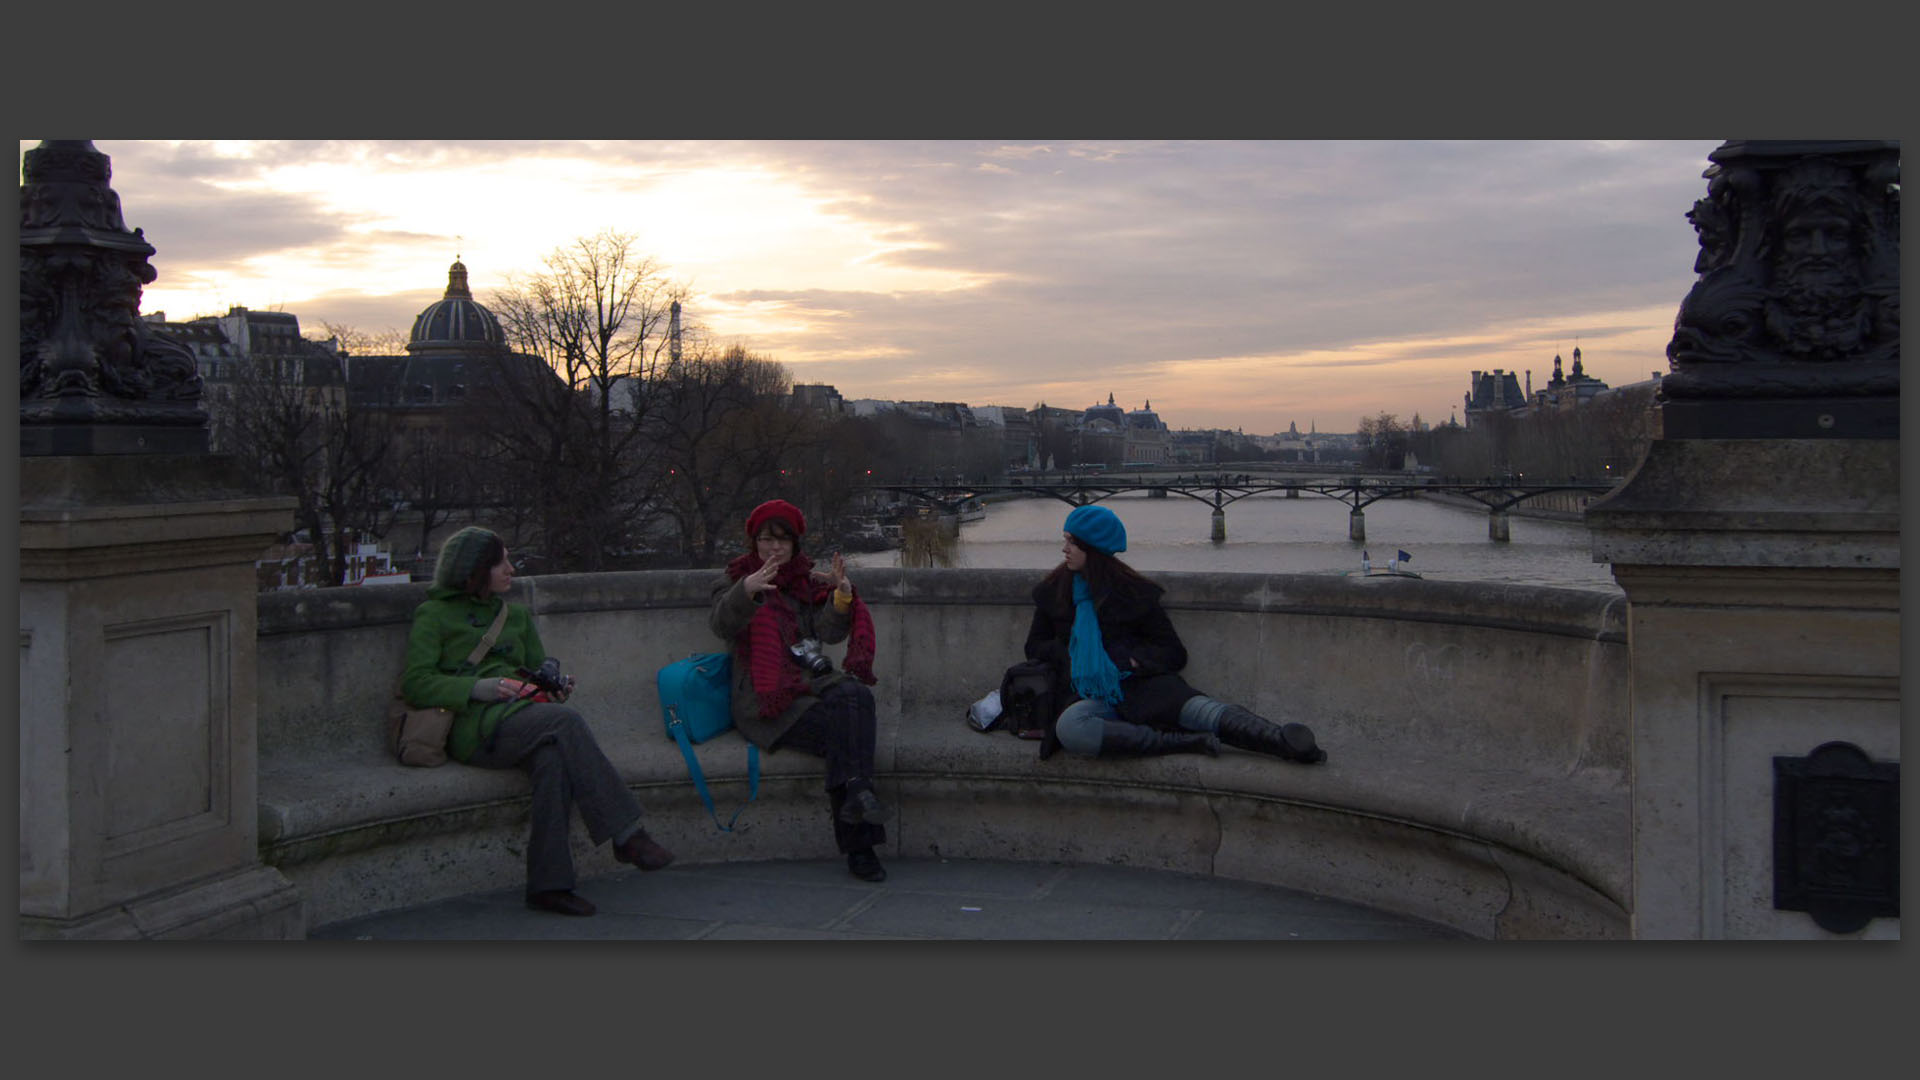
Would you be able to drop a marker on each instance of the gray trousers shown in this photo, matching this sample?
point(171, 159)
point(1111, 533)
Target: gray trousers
point(557, 749)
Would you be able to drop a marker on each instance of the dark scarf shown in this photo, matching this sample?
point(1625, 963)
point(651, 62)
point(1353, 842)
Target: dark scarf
point(777, 679)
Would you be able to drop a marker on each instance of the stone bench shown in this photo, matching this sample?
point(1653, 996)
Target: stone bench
point(1477, 737)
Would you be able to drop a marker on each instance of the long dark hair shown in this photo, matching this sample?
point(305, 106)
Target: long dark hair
point(1105, 574)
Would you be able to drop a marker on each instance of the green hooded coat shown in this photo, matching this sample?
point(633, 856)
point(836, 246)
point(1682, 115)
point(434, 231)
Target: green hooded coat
point(446, 627)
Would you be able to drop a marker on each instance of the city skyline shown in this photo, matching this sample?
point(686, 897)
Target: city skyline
point(1236, 285)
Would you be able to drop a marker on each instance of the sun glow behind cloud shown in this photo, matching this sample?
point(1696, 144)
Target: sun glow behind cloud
point(703, 225)
point(1233, 284)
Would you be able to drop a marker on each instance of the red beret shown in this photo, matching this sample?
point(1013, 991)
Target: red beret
point(777, 508)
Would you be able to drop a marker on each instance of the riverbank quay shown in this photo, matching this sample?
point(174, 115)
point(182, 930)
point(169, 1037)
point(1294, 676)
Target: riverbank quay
point(1477, 735)
point(1568, 506)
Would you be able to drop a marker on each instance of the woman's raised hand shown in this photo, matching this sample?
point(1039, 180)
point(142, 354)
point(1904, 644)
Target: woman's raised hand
point(838, 577)
point(761, 580)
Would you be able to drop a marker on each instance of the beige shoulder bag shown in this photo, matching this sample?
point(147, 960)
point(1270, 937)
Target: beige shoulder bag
point(419, 736)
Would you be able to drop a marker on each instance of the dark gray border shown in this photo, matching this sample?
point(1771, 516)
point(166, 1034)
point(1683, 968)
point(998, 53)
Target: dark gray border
point(1427, 72)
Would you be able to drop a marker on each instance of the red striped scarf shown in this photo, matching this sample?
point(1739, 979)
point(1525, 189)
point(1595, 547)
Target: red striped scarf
point(777, 679)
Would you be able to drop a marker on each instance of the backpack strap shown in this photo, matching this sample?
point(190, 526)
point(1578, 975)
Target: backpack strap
point(699, 778)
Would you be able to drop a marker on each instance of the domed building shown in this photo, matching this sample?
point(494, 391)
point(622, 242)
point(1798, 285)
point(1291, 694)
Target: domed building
point(1102, 436)
point(1108, 413)
point(1147, 437)
point(456, 347)
point(455, 322)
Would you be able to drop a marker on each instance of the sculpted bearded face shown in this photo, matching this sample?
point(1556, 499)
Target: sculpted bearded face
point(1819, 310)
point(1817, 253)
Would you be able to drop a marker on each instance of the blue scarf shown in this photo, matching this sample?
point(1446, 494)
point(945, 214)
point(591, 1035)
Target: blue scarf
point(1094, 674)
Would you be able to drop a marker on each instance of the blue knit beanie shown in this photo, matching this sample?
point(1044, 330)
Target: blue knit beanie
point(1098, 528)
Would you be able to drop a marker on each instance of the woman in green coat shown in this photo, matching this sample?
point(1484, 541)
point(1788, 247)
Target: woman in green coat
point(501, 721)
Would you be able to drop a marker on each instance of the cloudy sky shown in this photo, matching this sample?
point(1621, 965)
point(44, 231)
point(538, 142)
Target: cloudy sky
point(1232, 284)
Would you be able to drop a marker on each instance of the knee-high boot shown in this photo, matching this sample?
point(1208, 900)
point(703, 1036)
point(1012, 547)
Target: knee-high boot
point(1290, 742)
point(1121, 739)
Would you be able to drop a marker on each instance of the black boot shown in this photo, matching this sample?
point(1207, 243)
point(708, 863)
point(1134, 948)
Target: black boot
point(861, 806)
point(1121, 739)
point(865, 865)
point(1289, 742)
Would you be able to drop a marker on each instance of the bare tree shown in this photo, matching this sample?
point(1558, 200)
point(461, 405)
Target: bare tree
point(728, 440)
point(570, 431)
point(1384, 441)
point(433, 474)
point(289, 422)
point(355, 481)
point(1600, 439)
point(352, 341)
point(1056, 441)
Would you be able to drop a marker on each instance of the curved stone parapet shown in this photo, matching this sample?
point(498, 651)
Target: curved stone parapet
point(1477, 733)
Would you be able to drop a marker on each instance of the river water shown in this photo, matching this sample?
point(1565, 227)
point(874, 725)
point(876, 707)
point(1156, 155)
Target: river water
point(1306, 535)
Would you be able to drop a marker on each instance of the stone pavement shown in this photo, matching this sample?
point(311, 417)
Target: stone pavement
point(922, 899)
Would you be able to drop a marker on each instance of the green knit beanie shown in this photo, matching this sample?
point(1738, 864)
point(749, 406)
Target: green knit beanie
point(460, 556)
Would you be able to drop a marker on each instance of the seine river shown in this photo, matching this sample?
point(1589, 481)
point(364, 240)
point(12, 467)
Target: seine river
point(1306, 535)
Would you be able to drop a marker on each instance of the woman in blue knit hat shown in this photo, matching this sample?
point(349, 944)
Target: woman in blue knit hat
point(503, 722)
point(1117, 659)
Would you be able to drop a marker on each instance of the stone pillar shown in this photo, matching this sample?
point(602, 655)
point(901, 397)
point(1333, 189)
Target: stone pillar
point(1498, 525)
point(138, 806)
point(1759, 547)
point(1219, 526)
point(1356, 525)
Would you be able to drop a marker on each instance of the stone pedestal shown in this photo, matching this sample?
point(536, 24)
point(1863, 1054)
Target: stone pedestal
point(138, 807)
point(1763, 577)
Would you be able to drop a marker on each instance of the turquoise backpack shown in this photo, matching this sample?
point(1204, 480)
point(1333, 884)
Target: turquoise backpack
point(696, 705)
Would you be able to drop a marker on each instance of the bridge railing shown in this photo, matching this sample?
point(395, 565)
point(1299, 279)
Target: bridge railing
point(1498, 495)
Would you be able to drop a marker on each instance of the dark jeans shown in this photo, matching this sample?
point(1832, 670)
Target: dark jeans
point(557, 749)
point(841, 728)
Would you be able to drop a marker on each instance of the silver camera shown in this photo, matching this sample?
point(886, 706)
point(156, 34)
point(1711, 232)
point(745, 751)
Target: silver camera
point(806, 652)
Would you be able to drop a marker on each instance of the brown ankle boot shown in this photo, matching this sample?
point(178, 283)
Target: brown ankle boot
point(640, 850)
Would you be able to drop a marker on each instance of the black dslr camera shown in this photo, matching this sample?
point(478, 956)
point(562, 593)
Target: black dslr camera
point(548, 678)
point(806, 652)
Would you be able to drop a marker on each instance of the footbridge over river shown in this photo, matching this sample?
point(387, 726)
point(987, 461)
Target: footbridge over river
point(1219, 490)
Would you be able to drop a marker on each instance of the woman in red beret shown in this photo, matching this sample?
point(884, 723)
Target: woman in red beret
point(774, 610)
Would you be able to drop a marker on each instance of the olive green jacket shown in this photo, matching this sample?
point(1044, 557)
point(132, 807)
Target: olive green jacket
point(446, 627)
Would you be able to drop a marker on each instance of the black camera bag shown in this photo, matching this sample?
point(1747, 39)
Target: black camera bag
point(1027, 700)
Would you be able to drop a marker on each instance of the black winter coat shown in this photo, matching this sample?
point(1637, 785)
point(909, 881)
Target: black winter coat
point(1138, 636)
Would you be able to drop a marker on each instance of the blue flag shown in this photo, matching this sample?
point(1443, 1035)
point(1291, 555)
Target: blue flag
point(1404, 557)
